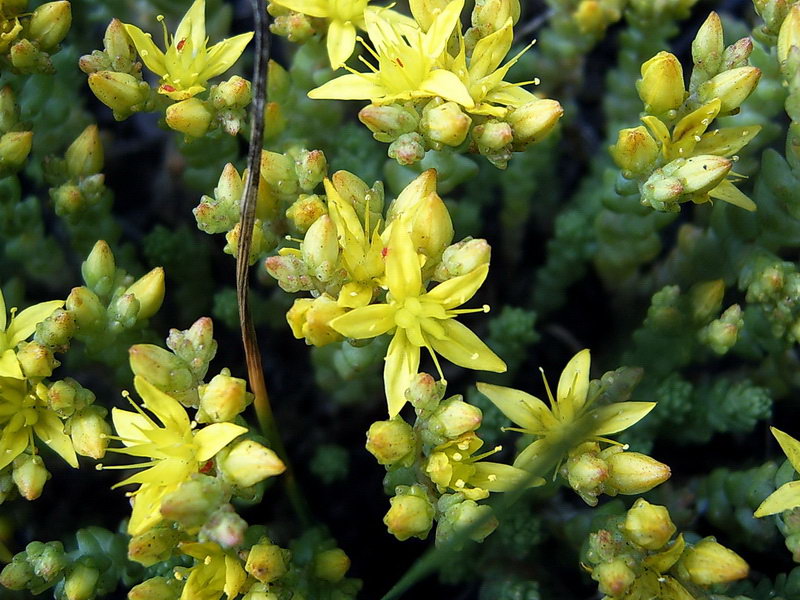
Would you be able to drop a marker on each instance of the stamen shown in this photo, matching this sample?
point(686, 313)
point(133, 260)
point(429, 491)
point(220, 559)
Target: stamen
point(549, 393)
point(160, 19)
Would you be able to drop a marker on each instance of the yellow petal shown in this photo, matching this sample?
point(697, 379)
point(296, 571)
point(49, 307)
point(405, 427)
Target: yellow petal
point(438, 34)
point(24, 324)
point(465, 349)
point(9, 365)
point(617, 417)
point(731, 194)
point(222, 55)
point(353, 86)
point(365, 322)
point(790, 447)
point(146, 510)
point(573, 385)
point(2, 312)
point(213, 438)
point(447, 85)
point(234, 576)
point(165, 407)
point(129, 426)
point(402, 364)
point(784, 498)
point(341, 42)
point(50, 430)
point(12, 444)
point(691, 127)
point(151, 54)
point(490, 51)
point(523, 409)
point(403, 275)
point(528, 457)
point(509, 94)
point(412, 195)
point(659, 131)
point(458, 290)
point(313, 8)
point(727, 141)
point(497, 477)
point(663, 561)
point(193, 26)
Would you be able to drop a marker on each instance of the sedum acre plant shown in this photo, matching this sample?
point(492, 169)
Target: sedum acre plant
point(406, 193)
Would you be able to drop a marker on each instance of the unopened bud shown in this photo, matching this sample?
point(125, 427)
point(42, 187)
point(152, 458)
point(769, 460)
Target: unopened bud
point(86, 308)
point(424, 392)
point(411, 513)
point(225, 527)
point(30, 475)
point(586, 472)
point(26, 57)
point(121, 92)
point(156, 588)
point(278, 170)
point(311, 319)
point(154, 545)
point(194, 501)
point(118, 46)
point(532, 122)
point(9, 110)
point(305, 211)
point(634, 473)
point(84, 156)
point(614, 578)
point(222, 399)
point(248, 463)
point(493, 135)
point(445, 124)
point(149, 291)
point(99, 268)
point(235, 92)
point(266, 562)
point(701, 174)
point(56, 330)
point(661, 87)
point(789, 35)
point(50, 23)
point(161, 368)
point(36, 360)
point(48, 560)
point(388, 122)
point(311, 168)
point(706, 299)
point(468, 515)
point(391, 442)
point(731, 87)
point(493, 14)
point(17, 574)
point(81, 582)
point(708, 46)
point(14, 149)
point(710, 563)
point(89, 431)
point(721, 334)
point(331, 565)
point(320, 248)
point(454, 417)
point(635, 151)
point(462, 258)
point(648, 525)
point(407, 149)
point(191, 117)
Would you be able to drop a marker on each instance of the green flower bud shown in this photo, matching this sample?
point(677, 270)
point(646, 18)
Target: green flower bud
point(194, 501)
point(305, 211)
point(14, 149)
point(731, 87)
point(311, 167)
point(721, 334)
point(290, 272)
point(454, 417)
point(195, 346)
point(708, 46)
point(149, 291)
point(710, 563)
point(50, 23)
point(789, 35)
point(331, 565)
point(320, 248)
point(222, 399)
point(30, 475)
point(26, 57)
point(411, 513)
point(85, 307)
point(156, 588)
point(61, 398)
point(389, 122)
point(661, 87)
point(310, 319)
point(391, 442)
point(36, 360)
point(462, 258)
point(48, 560)
point(614, 578)
point(118, 46)
point(635, 151)
point(56, 330)
point(266, 562)
point(278, 170)
point(425, 392)
point(248, 463)
point(235, 92)
point(493, 14)
point(191, 117)
point(225, 527)
point(17, 574)
point(478, 519)
point(81, 583)
point(9, 110)
point(163, 369)
point(89, 432)
point(648, 525)
point(634, 473)
point(360, 195)
point(259, 591)
point(84, 156)
point(99, 268)
point(493, 135)
point(407, 149)
point(586, 473)
point(121, 92)
point(154, 545)
point(532, 122)
point(445, 123)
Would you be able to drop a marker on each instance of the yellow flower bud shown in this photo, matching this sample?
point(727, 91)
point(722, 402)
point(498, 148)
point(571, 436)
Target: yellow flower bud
point(493, 135)
point(635, 473)
point(389, 122)
point(248, 463)
point(99, 268)
point(85, 306)
point(661, 87)
point(29, 475)
point(266, 562)
point(14, 148)
point(703, 173)
point(36, 360)
point(149, 291)
point(648, 525)
point(222, 399)
point(391, 442)
point(708, 45)
point(118, 46)
point(84, 156)
point(789, 34)
point(614, 578)
point(304, 211)
point(709, 563)
point(121, 92)
point(586, 472)
point(731, 87)
point(410, 514)
point(331, 565)
point(89, 431)
point(635, 151)
point(462, 258)
point(156, 588)
point(80, 583)
point(163, 369)
point(50, 23)
point(154, 545)
point(190, 116)
point(310, 319)
point(531, 122)
point(320, 248)
point(278, 171)
point(493, 14)
point(235, 92)
point(431, 228)
point(445, 124)
point(454, 418)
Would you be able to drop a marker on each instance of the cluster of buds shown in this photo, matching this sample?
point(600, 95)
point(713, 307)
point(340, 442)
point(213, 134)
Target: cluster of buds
point(770, 287)
point(28, 39)
point(15, 141)
point(294, 26)
point(675, 157)
point(433, 471)
point(636, 556)
point(773, 13)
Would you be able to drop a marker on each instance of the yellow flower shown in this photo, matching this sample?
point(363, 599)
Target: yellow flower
point(419, 319)
point(176, 450)
point(788, 495)
point(23, 412)
point(408, 63)
point(217, 572)
point(570, 407)
point(20, 327)
point(188, 63)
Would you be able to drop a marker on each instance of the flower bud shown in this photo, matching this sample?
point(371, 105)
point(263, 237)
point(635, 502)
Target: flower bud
point(89, 431)
point(156, 588)
point(28, 58)
point(225, 527)
point(320, 248)
point(17, 574)
point(222, 399)
point(721, 334)
point(121, 92)
point(49, 24)
point(9, 110)
point(331, 565)
point(493, 14)
point(81, 582)
point(266, 562)
point(48, 560)
point(56, 330)
point(478, 519)
point(389, 122)
point(586, 474)
point(149, 291)
point(706, 299)
point(36, 360)
point(391, 442)
point(248, 463)
point(661, 87)
point(703, 173)
point(462, 258)
point(84, 156)
point(411, 513)
point(532, 122)
point(737, 54)
point(161, 367)
point(311, 168)
point(493, 135)
point(407, 149)
point(235, 92)
point(194, 501)
point(154, 545)
point(648, 525)
point(425, 392)
point(14, 149)
point(635, 151)
point(99, 268)
point(278, 170)
point(634, 473)
point(731, 87)
point(708, 46)
point(454, 417)
point(118, 46)
point(85, 307)
point(445, 124)
point(305, 211)
point(789, 34)
point(191, 117)
point(260, 591)
point(311, 319)
point(710, 563)
point(290, 272)
point(30, 475)
point(614, 578)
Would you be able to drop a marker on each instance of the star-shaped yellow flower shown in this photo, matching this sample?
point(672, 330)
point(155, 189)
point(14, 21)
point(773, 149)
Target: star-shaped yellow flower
point(20, 327)
point(787, 496)
point(419, 319)
point(217, 572)
point(177, 451)
point(408, 63)
point(570, 406)
point(188, 63)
